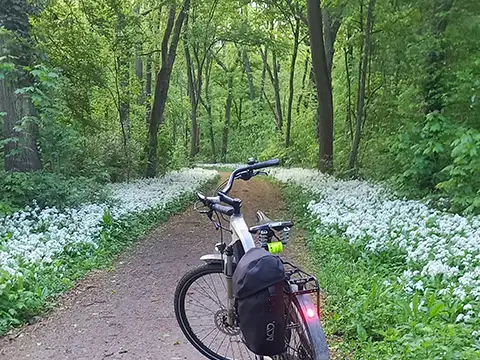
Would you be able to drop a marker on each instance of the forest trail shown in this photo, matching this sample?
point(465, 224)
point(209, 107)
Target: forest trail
point(127, 313)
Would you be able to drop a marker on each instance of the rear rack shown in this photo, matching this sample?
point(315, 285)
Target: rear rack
point(304, 282)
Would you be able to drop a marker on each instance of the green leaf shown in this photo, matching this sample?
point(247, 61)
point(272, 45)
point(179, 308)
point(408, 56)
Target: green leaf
point(436, 309)
point(361, 333)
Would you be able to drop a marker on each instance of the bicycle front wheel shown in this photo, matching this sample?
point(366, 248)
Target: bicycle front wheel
point(201, 311)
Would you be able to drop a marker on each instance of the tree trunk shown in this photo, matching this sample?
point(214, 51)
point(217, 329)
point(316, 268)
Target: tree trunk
point(361, 89)
point(208, 108)
point(296, 35)
point(248, 70)
point(123, 103)
point(20, 152)
point(324, 87)
point(193, 103)
point(162, 85)
point(330, 27)
point(304, 78)
point(276, 89)
point(238, 109)
point(433, 87)
point(122, 77)
point(349, 97)
point(264, 74)
point(19, 127)
point(148, 87)
point(139, 62)
point(228, 115)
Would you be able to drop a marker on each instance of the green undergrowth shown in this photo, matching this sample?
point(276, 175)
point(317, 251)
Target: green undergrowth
point(17, 190)
point(368, 309)
point(37, 290)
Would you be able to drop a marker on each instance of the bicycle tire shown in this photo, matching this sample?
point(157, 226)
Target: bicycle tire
point(180, 312)
point(313, 329)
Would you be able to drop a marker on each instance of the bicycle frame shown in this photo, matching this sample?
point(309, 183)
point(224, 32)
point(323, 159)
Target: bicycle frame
point(240, 235)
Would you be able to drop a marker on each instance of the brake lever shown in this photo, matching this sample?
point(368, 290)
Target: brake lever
point(202, 198)
point(199, 209)
point(246, 175)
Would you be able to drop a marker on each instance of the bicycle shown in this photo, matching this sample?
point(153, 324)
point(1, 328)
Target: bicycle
point(204, 302)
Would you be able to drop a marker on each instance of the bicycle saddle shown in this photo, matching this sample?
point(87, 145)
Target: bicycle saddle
point(264, 223)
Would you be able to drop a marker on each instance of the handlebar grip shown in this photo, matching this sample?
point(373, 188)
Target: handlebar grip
point(264, 164)
point(227, 210)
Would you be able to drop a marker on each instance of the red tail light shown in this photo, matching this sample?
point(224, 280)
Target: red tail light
point(311, 313)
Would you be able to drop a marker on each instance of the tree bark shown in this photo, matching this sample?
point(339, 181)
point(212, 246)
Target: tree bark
point(19, 128)
point(248, 70)
point(276, 87)
point(361, 89)
point(148, 87)
point(238, 109)
point(264, 74)
point(349, 97)
point(138, 59)
point(323, 87)
point(304, 78)
point(433, 87)
point(163, 82)
point(20, 149)
point(228, 115)
point(122, 77)
point(296, 35)
point(193, 102)
point(208, 108)
point(330, 27)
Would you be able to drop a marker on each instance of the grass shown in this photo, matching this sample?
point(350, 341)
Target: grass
point(367, 307)
point(37, 291)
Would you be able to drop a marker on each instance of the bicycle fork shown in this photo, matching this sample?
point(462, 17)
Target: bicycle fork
point(228, 276)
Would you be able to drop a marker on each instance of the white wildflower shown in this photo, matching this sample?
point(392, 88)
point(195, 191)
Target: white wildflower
point(438, 242)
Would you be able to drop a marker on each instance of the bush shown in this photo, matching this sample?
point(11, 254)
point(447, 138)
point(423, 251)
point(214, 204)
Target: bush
point(47, 189)
point(463, 184)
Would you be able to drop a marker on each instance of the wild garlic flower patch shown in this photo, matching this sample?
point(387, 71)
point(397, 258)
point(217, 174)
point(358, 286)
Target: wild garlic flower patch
point(437, 244)
point(35, 236)
point(220, 165)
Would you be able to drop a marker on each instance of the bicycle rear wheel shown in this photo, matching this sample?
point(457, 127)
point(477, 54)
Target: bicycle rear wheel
point(305, 338)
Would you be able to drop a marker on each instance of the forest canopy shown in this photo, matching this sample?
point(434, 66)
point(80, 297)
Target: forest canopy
point(110, 90)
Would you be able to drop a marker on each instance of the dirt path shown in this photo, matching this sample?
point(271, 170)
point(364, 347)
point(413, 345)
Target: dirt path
point(127, 313)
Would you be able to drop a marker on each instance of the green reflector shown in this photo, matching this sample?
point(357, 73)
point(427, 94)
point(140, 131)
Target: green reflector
point(275, 247)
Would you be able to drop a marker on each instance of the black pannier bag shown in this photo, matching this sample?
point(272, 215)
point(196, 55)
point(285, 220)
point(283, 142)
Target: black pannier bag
point(259, 288)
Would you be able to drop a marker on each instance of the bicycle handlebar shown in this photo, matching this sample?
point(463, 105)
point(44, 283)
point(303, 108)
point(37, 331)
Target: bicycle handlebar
point(224, 209)
point(248, 168)
point(233, 205)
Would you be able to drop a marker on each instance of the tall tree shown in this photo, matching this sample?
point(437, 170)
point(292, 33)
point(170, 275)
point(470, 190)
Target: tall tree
point(200, 38)
point(323, 85)
point(208, 107)
point(194, 88)
point(296, 40)
point(367, 45)
point(228, 105)
point(16, 48)
point(248, 70)
point(163, 83)
point(433, 86)
point(274, 78)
